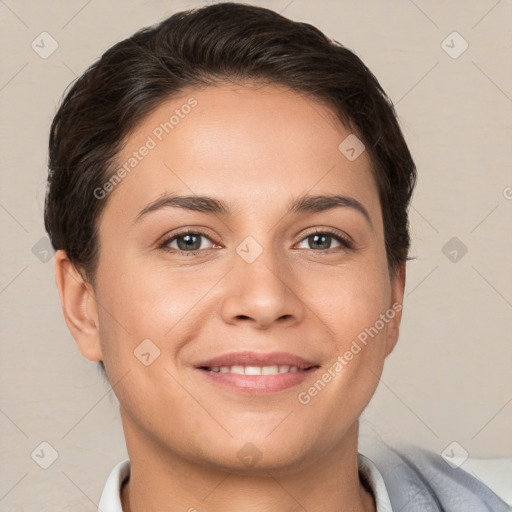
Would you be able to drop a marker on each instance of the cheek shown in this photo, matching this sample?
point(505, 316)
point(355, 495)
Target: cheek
point(168, 305)
point(353, 306)
point(348, 299)
point(139, 303)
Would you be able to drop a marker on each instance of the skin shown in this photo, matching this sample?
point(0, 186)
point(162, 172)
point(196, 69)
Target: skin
point(257, 148)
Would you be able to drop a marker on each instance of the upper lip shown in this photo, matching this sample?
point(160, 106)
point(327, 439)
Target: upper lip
point(256, 359)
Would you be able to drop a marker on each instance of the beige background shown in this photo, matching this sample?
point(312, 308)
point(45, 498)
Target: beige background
point(449, 378)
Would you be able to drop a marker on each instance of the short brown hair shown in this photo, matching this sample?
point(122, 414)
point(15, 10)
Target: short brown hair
point(226, 41)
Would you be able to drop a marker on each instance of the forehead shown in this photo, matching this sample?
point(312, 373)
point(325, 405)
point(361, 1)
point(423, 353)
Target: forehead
point(249, 144)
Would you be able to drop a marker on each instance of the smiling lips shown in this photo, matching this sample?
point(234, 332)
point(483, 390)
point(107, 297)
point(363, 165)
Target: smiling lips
point(257, 373)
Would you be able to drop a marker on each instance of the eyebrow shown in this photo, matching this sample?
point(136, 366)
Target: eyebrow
point(206, 204)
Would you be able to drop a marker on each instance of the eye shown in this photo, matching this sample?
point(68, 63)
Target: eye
point(189, 242)
point(322, 240)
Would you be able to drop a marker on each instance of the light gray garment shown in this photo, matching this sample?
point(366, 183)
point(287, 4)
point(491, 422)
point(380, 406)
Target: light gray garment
point(418, 480)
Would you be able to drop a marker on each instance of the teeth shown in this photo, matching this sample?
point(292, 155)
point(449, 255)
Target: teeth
point(255, 370)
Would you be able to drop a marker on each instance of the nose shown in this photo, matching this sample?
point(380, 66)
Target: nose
point(261, 294)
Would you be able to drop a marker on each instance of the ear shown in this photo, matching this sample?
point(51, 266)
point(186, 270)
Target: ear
point(397, 297)
point(79, 307)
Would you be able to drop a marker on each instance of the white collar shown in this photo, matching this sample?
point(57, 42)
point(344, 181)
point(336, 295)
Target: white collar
point(369, 472)
point(111, 497)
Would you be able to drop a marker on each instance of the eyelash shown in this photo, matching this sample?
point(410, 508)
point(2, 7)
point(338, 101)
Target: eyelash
point(344, 241)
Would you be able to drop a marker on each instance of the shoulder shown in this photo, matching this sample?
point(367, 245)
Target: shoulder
point(421, 480)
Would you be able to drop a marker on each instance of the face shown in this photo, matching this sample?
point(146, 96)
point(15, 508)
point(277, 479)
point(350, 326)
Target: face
point(251, 311)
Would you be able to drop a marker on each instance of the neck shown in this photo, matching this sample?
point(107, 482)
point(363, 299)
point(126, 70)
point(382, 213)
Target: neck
point(160, 480)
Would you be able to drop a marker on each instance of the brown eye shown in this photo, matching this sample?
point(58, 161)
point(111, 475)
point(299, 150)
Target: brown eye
point(319, 241)
point(323, 241)
point(189, 242)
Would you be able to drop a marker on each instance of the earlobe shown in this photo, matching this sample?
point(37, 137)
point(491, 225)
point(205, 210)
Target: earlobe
point(79, 307)
point(397, 295)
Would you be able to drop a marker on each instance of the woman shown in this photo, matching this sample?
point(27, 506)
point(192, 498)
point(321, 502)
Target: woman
point(228, 196)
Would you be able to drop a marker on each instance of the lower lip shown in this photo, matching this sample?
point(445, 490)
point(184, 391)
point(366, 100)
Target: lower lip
point(259, 384)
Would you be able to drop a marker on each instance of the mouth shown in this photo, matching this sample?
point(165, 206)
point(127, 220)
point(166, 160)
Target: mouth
point(257, 373)
point(255, 370)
